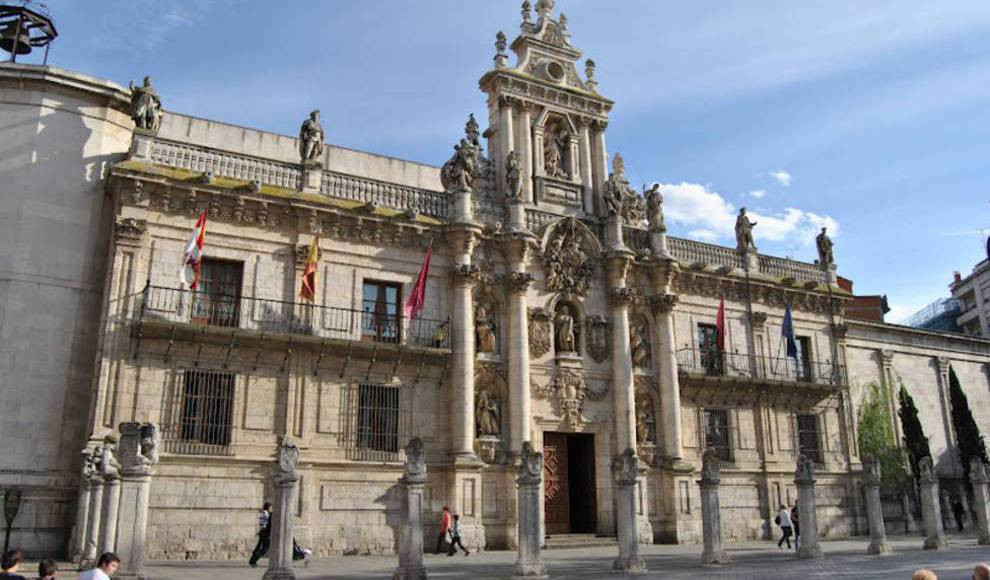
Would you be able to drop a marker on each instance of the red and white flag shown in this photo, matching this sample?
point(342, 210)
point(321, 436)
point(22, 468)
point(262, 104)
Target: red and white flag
point(414, 304)
point(189, 274)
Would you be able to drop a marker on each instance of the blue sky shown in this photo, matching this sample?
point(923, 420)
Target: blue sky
point(870, 117)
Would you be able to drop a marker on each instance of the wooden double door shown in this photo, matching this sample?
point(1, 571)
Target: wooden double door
point(569, 491)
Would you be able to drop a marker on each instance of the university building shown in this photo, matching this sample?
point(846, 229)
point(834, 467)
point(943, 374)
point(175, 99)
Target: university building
point(557, 311)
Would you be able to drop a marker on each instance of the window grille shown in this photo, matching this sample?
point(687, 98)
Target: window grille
point(717, 433)
point(201, 414)
point(375, 422)
point(711, 358)
point(809, 437)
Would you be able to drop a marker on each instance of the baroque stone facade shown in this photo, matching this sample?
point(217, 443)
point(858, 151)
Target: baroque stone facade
point(558, 317)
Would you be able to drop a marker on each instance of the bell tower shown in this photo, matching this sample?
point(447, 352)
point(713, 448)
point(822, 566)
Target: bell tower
point(548, 116)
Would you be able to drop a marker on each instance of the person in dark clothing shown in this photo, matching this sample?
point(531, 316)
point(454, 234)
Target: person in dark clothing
point(958, 512)
point(264, 534)
point(797, 528)
point(47, 569)
point(455, 538)
point(10, 562)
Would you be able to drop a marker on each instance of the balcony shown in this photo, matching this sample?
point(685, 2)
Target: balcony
point(219, 314)
point(732, 370)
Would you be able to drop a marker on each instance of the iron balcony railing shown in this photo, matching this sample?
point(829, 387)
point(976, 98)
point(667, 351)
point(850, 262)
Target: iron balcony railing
point(713, 363)
point(291, 318)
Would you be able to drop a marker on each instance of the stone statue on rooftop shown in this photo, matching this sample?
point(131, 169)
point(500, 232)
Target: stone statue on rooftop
point(311, 138)
point(146, 106)
point(744, 232)
point(825, 257)
point(654, 208)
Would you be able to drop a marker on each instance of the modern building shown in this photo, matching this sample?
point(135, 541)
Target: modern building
point(973, 295)
point(557, 311)
point(939, 315)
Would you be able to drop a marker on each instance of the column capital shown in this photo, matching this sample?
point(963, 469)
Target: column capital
point(464, 237)
point(841, 329)
point(943, 364)
point(599, 124)
point(662, 303)
point(518, 246)
point(519, 282)
point(757, 319)
point(129, 231)
point(465, 274)
point(623, 296)
point(886, 357)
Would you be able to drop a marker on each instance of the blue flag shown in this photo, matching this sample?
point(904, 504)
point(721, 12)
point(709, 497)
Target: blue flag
point(787, 331)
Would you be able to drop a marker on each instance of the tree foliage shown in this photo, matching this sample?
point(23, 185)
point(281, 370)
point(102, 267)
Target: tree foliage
point(876, 438)
point(914, 436)
point(968, 439)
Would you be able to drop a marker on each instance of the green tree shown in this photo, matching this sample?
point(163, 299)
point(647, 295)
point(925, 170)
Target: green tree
point(968, 439)
point(914, 436)
point(876, 437)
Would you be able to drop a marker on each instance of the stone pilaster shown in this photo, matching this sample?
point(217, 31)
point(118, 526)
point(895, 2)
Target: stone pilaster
point(931, 511)
point(804, 479)
point(138, 454)
point(587, 180)
point(529, 480)
point(285, 482)
point(526, 150)
point(887, 375)
point(942, 363)
point(412, 484)
point(981, 498)
point(711, 516)
point(505, 138)
point(874, 508)
point(599, 155)
point(91, 550)
point(627, 471)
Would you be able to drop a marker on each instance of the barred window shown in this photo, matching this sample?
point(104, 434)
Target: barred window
point(809, 437)
point(717, 433)
point(202, 414)
point(374, 422)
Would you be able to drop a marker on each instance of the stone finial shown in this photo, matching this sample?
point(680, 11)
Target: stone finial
point(871, 470)
point(544, 8)
point(589, 69)
point(977, 471)
point(287, 456)
point(526, 12)
point(926, 470)
point(500, 42)
point(711, 467)
point(415, 466)
point(562, 21)
point(618, 166)
point(805, 472)
point(626, 466)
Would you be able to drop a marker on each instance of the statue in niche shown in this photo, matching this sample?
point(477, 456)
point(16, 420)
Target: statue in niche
point(744, 232)
point(824, 243)
point(567, 264)
point(556, 142)
point(146, 106)
point(311, 138)
point(460, 171)
point(639, 345)
point(487, 414)
point(654, 208)
point(566, 339)
point(484, 328)
point(513, 176)
point(645, 420)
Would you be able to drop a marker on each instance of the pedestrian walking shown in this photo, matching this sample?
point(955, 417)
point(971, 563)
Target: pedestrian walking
point(455, 538)
point(783, 520)
point(11, 562)
point(797, 527)
point(264, 534)
point(47, 569)
point(444, 528)
point(958, 512)
point(106, 567)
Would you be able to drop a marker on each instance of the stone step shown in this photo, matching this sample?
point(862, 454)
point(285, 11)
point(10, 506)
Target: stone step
point(568, 541)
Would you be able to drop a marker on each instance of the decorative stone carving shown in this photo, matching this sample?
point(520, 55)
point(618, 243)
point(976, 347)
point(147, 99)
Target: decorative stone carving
point(565, 333)
point(654, 209)
point(824, 245)
point(146, 107)
point(519, 281)
point(311, 138)
point(529, 481)
point(596, 339)
point(711, 467)
point(619, 199)
point(569, 390)
point(556, 146)
point(626, 466)
point(623, 296)
point(566, 259)
point(639, 344)
point(129, 228)
point(500, 42)
point(465, 274)
point(462, 169)
point(415, 465)
point(485, 329)
point(645, 420)
point(744, 232)
point(513, 177)
point(540, 332)
point(662, 303)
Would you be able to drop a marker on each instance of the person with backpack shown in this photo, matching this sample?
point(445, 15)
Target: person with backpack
point(455, 538)
point(783, 520)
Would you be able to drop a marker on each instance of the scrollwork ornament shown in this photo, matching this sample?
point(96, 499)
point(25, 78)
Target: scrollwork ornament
point(129, 228)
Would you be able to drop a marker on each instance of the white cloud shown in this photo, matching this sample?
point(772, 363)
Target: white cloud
point(782, 177)
point(757, 193)
point(709, 217)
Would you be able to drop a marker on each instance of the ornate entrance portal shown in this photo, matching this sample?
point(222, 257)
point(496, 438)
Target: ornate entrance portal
point(570, 501)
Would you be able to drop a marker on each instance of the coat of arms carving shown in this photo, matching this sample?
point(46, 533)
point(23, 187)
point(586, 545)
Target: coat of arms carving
point(540, 332)
point(597, 338)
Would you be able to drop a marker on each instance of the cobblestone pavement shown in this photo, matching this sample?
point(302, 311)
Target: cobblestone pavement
point(843, 559)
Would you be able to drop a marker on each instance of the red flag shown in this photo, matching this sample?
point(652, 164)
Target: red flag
point(720, 325)
point(308, 289)
point(414, 304)
point(189, 274)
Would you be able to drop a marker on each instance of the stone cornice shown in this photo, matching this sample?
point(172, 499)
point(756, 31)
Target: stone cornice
point(524, 87)
point(690, 282)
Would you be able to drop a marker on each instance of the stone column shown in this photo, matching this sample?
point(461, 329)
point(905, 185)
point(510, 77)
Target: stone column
point(413, 481)
point(465, 276)
point(931, 511)
point(663, 304)
point(886, 363)
point(111, 499)
point(599, 155)
point(526, 150)
point(587, 179)
point(91, 550)
point(529, 480)
point(520, 411)
point(874, 508)
point(711, 516)
point(981, 498)
point(624, 396)
point(285, 481)
point(77, 544)
point(506, 139)
point(627, 470)
point(942, 364)
point(138, 453)
point(804, 478)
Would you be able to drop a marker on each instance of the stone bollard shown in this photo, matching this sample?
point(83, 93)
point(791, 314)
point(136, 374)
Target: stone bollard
point(410, 548)
point(804, 478)
point(285, 480)
point(138, 454)
point(711, 516)
point(627, 471)
point(981, 498)
point(931, 511)
point(94, 485)
point(110, 470)
point(874, 507)
point(529, 564)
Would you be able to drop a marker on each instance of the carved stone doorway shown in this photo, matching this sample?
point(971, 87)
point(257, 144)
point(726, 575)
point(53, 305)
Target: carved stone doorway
point(570, 495)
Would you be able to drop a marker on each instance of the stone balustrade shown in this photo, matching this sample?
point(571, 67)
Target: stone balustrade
point(192, 158)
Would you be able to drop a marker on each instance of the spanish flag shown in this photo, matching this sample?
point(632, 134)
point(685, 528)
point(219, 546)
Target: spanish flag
point(308, 289)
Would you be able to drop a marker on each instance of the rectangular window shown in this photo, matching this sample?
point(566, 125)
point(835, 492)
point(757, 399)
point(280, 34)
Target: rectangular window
point(204, 404)
point(710, 357)
point(717, 432)
point(802, 363)
point(217, 298)
point(378, 418)
point(809, 439)
point(380, 320)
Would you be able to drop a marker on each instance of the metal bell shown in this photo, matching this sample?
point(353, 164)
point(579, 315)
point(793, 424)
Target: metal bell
point(8, 35)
